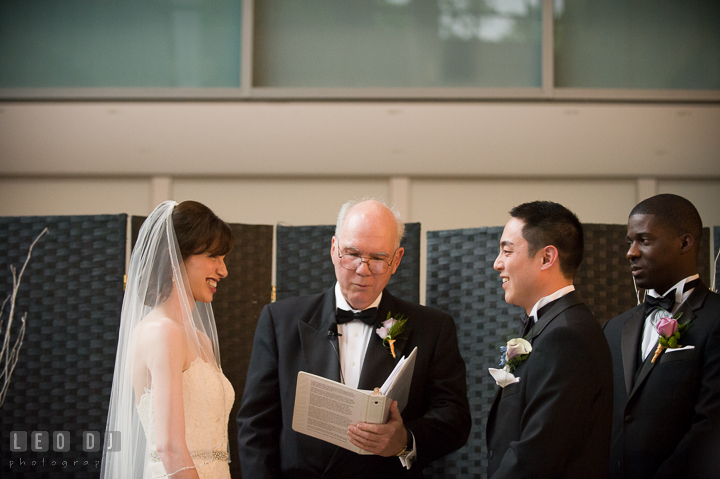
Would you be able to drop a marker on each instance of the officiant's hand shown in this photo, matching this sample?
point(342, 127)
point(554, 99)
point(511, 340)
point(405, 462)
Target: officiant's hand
point(381, 439)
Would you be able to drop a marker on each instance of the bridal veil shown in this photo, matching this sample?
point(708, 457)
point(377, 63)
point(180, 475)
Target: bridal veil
point(156, 277)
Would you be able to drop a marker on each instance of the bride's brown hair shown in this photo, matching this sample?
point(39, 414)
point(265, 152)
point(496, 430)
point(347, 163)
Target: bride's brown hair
point(199, 230)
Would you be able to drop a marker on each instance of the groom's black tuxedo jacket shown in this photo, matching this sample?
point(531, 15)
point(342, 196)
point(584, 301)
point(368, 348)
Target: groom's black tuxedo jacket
point(666, 418)
point(555, 422)
point(291, 336)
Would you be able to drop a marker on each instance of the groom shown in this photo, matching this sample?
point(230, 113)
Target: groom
point(666, 419)
point(333, 334)
point(554, 422)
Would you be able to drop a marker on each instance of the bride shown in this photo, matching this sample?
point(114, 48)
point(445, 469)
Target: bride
point(170, 400)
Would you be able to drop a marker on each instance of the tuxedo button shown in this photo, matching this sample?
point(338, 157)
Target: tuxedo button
point(628, 419)
point(490, 454)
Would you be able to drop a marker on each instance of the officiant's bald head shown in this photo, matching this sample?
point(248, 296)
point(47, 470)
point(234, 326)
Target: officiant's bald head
point(366, 250)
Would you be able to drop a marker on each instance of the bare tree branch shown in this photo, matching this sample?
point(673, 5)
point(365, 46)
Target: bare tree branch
point(9, 355)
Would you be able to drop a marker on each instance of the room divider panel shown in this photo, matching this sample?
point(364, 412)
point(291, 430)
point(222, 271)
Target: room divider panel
point(716, 249)
point(237, 306)
point(304, 265)
point(72, 293)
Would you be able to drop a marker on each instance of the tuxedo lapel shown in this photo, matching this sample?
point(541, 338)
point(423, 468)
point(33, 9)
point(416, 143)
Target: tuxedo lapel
point(645, 369)
point(379, 362)
point(558, 306)
point(492, 414)
point(629, 344)
point(694, 301)
point(320, 357)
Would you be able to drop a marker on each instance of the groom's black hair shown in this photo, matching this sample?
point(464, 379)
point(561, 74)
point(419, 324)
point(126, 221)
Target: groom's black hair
point(548, 223)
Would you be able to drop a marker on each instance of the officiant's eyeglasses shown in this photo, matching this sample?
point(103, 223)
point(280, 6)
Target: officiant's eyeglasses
point(352, 262)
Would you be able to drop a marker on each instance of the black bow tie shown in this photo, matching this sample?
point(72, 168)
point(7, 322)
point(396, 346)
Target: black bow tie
point(527, 324)
point(664, 302)
point(367, 316)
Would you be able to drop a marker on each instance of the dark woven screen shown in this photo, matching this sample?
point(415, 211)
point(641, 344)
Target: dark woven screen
point(716, 249)
point(603, 279)
point(304, 265)
point(704, 257)
point(237, 306)
point(72, 292)
point(462, 281)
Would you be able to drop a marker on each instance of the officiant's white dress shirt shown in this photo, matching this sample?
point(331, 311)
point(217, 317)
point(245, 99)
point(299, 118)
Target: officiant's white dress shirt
point(353, 343)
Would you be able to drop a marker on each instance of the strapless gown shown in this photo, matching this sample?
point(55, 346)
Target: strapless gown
point(208, 397)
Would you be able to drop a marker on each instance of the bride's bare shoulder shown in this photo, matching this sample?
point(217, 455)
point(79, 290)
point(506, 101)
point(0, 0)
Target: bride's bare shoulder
point(157, 328)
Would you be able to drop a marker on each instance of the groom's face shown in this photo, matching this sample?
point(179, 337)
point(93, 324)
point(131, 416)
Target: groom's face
point(518, 270)
point(371, 235)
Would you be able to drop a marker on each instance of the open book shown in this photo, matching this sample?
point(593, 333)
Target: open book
point(325, 408)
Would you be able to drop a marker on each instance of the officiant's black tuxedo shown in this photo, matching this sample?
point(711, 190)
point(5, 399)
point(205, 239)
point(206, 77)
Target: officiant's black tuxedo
point(555, 422)
point(292, 336)
point(666, 420)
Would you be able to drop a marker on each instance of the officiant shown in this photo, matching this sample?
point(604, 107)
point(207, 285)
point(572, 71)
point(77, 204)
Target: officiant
point(338, 334)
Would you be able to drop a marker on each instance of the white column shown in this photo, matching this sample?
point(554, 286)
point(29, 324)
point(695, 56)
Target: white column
point(160, 190)
point(399, 193)
point(399, 197)
point(646, 187)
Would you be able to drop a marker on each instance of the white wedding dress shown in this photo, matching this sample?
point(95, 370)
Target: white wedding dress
point(207, 393)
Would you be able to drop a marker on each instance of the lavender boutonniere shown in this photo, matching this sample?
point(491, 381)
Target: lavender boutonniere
point(391, 330)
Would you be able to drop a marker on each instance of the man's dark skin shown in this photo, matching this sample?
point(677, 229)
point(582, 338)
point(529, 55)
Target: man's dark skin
point(659, 258)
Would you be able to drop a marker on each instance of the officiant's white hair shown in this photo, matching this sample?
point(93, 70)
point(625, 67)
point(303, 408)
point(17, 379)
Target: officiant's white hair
point(399, 223)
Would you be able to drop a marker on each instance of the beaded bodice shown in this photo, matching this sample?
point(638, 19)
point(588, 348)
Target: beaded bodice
point(208, 397)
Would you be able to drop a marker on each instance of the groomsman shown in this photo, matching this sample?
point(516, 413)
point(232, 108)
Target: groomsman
point(666, 418)
point(554, 422)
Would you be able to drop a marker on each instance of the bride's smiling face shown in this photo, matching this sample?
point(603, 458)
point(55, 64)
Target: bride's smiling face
point(204, 271)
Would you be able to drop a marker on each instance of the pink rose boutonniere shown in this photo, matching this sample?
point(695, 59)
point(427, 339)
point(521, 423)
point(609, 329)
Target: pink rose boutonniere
point(669, 331)
point(391, 330)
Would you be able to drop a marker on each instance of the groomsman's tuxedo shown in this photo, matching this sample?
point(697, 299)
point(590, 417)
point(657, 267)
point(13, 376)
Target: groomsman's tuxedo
point(666, 420)
point(555, 422)
point(292, 336)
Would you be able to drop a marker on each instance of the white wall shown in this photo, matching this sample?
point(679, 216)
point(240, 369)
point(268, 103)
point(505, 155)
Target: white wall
point(370, 139)
point(438, 203)
point(445, 164)
point(460, 163)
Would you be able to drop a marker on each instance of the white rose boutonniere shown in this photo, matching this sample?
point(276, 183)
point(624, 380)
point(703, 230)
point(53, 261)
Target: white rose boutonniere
point(515, 352)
